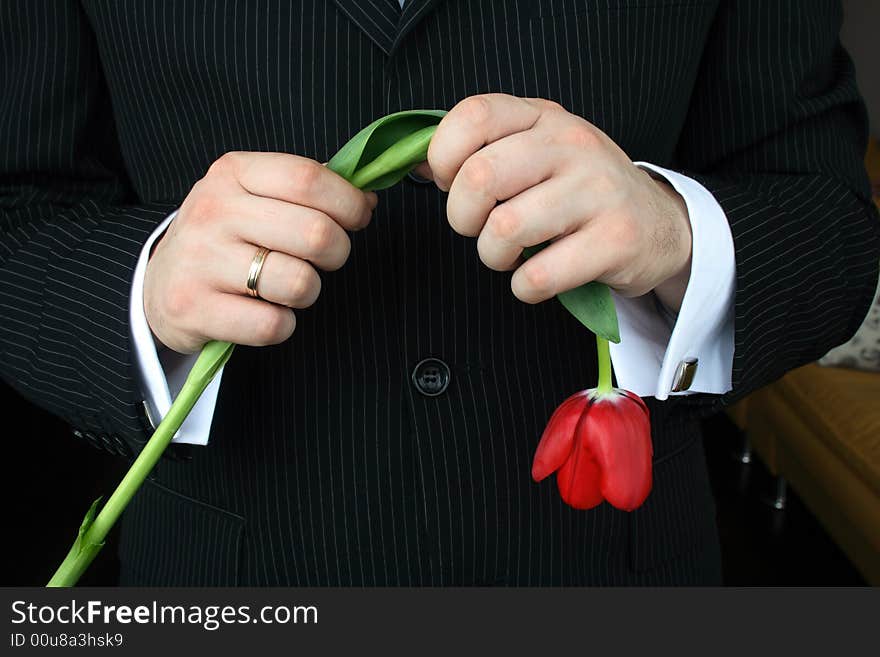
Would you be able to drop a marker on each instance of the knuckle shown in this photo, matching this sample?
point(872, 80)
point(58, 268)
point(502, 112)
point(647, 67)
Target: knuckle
point(580, 136)
point(224, 165)
point(319, 236)
point(305, 175)
point(476, 110)
point(478, 172)
point(304, 283)
point(367, 217)
point(460, 224)
point(505, 222)
point(204, 206)
point(362, 221)
point(344, 251)
point(273, 326)
point(551, 106)
point(492, 258)
point(537, 283)
point(348, 210)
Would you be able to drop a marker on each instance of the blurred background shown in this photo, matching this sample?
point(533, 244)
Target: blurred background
point(795, 467)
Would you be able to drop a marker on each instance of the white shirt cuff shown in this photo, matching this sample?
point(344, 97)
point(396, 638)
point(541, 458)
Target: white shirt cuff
point(652, 346)
point(162, 375)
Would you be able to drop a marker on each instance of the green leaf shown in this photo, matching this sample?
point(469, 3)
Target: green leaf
point(591, 304)
point(380, 136)
point(86, 524)
point(85, 548)
point(392, 164)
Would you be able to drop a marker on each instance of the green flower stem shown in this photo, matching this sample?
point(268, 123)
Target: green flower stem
point(604, 352)
point(377, 157)
point(405, 154)
point(95, 528)
point(406, 142)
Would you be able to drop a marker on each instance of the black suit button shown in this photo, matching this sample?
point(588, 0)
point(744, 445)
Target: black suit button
point(418, 180)
point(431, 377)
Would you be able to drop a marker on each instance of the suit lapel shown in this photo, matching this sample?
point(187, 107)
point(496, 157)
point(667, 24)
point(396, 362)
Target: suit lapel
point(383, 21)
point(377, 18)
point(414, 11)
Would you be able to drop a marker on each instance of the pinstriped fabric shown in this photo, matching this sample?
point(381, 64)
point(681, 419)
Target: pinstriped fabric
point(412, 13)
point(791, 268)
point(182, 561)
point(326, 466)
point(71, 236)
point(378, 20)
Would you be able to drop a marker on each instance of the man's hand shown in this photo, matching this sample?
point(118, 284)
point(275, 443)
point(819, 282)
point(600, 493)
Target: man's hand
point(522, 171)
point(195, 283)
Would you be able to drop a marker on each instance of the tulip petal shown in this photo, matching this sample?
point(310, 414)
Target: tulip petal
point(579, 477)
point(618, 432)
point(634, 398)
point(558, 437)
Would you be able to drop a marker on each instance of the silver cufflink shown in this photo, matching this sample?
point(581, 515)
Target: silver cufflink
point(684, 375)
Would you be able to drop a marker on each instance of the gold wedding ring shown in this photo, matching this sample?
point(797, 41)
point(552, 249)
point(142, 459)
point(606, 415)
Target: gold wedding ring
point(254, 272)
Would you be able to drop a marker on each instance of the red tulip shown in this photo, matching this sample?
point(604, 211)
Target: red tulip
point(599, 445)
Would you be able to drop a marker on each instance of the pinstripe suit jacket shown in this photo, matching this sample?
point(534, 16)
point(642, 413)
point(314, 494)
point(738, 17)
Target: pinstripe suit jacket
point(326, 465)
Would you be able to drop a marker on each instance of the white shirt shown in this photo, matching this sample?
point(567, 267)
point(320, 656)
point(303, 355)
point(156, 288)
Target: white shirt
point(652, 343)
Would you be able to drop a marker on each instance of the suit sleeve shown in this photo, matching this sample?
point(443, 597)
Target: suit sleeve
point(71, 228)
point(776, 131)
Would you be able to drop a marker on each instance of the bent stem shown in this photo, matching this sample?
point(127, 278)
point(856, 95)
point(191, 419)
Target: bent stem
point(404, 144)
point(386, 169)
point(400, 158)
point(604, 355)
point(95, 528)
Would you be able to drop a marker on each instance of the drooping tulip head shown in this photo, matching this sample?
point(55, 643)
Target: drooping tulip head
point(599, 446)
